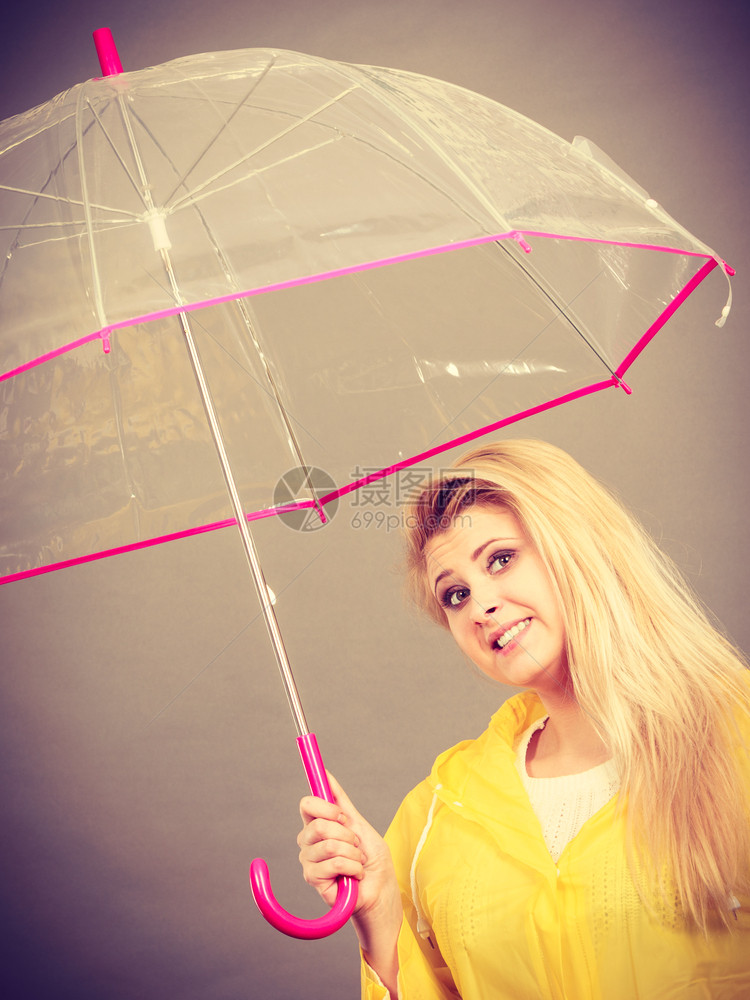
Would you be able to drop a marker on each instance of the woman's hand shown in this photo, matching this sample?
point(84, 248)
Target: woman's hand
point(336, 840)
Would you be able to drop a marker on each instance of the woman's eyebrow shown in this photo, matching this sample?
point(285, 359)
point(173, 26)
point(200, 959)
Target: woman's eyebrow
point(474, 556)
point(477, 552)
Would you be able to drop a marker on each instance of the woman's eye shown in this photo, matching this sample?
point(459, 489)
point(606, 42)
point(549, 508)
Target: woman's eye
point(499, 561)
point(455, 597)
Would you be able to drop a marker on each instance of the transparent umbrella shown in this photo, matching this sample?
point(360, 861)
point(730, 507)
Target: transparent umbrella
point(239, 264)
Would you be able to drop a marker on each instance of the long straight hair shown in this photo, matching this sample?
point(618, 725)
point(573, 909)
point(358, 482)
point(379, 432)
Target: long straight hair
point(660, 683)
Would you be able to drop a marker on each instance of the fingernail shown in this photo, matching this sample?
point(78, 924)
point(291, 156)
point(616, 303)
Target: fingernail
point(356, 841)
point(343, 819)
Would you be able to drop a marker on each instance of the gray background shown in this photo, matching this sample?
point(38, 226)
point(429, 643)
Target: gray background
point(147, 753)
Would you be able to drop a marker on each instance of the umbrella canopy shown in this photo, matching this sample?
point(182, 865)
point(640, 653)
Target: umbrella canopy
point(376, 265)
point(360, 268)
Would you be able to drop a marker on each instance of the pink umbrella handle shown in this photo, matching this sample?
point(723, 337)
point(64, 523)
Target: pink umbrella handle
point(260, 880)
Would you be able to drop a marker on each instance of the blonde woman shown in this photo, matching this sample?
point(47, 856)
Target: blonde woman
point(594, 841)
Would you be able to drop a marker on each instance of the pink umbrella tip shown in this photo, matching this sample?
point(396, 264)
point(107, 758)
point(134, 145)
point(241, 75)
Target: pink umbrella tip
point(109, 60)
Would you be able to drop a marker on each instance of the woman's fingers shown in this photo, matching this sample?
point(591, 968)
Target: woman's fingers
point(337, 840)
point(312, 808)
point(342, 803)
point(324, 850)
point(327, 859)
point(328, 850)
point(330, 846)
point(318, 830)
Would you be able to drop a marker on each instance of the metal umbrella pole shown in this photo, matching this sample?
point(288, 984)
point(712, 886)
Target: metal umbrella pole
point(306, 741)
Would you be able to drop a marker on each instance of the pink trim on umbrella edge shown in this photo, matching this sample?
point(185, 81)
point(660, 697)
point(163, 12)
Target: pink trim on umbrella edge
point(156, 540)
point(328, 498)
point(105, 332)
point(471, 436)
point(673, 306)
point(615, 380)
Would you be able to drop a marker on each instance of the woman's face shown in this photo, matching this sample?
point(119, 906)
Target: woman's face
point(499, 600)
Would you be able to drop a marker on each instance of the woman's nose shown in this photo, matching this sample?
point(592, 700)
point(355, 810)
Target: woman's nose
point(485, 606)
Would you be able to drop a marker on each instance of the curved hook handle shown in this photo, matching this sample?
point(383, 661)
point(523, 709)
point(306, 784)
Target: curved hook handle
point(260, 880)
point(299, 927)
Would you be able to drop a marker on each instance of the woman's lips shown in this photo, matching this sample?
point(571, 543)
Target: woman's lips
point(505, 638)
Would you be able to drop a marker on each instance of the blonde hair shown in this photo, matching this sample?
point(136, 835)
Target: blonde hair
point(659, 682)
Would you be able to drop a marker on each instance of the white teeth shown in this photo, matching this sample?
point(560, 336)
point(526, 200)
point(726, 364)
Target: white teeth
point(512, 633)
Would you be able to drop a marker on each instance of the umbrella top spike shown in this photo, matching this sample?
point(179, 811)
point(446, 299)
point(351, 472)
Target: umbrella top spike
point(109, 59)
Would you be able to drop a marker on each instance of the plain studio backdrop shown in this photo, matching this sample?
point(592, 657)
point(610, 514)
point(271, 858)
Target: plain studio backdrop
point(148, 754)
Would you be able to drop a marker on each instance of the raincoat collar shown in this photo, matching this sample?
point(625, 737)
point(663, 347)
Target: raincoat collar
point(479, 780)
point(458, 768)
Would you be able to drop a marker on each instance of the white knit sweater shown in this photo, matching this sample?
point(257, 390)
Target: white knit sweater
point(564, 804)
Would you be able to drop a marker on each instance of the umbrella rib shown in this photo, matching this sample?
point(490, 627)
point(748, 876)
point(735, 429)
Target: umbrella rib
point(429, 139)
point(298, 122)
point(321, 145)
point(53, 239)
point(18, 226)
point(36, 195)
point(272, 393)
point(561, 311)
point(224, 124)
point(286, 416)
point(196, 194)
point(192, 200)
point(115, 150)
point(311, 149)
point(226, 266)
point(188, 202)
point(65, 201)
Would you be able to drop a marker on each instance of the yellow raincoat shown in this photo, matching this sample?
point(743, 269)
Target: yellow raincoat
point(490, 916)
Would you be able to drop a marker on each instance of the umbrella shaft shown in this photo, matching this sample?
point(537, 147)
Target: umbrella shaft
point(247, 539)
point(269, 615)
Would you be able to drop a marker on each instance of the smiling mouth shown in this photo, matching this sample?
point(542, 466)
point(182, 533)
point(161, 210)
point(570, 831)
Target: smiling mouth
point(511, 633)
